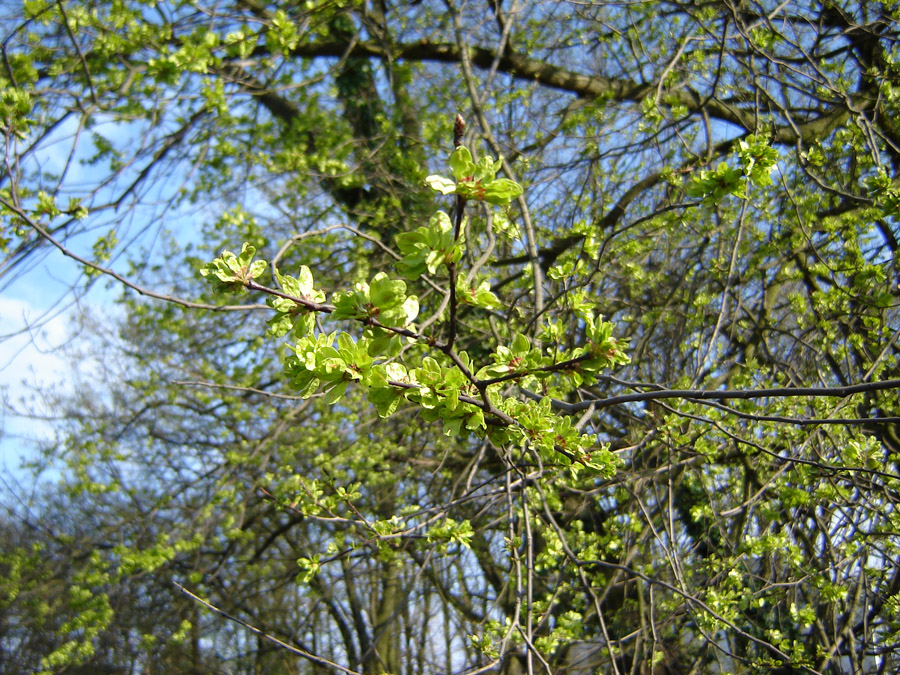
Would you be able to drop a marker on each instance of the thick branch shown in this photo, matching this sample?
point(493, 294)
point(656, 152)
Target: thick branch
point(588, 86)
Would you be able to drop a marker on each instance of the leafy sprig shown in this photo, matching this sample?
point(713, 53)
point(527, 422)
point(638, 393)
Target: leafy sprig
point(445, 384)
point(475, 181)
point(232, 273)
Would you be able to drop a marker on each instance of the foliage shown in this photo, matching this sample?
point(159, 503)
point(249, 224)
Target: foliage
point(605, 382)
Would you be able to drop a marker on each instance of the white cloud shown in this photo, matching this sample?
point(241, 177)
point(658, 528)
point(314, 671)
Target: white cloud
point(30, 359)
point(30, 342)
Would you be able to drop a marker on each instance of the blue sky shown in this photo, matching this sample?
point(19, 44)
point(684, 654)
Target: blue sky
point(43, 297)
point(35, 328)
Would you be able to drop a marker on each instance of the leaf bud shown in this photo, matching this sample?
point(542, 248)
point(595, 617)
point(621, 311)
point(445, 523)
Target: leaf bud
point(459, 128)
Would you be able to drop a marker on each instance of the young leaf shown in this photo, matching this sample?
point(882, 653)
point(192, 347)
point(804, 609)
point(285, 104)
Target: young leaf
point(440, 184)
point(461, 163)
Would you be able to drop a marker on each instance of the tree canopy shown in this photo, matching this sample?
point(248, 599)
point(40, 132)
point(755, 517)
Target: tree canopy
point(461, 337)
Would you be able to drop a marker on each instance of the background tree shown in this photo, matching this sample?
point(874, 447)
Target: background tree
point(718, 180)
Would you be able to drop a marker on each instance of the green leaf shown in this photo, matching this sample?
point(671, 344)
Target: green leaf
point(280, 325)
point(461, 164)
point(336, 393)
point(256, 269)
point(440, 184)
point(501, 191)
point(713, 186)
point(385, 397)
point(246, 255)
point(758, 160)
point(428, 248)
point(385, 293)
point(485, 170)
point(386, 344)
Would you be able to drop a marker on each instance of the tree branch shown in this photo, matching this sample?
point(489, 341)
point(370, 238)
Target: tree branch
point(705, 394)
point(589, 86)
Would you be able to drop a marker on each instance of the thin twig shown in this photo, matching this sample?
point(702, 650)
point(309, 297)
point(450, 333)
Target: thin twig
point(271, 638)
point(707, 394)
point(115, 275)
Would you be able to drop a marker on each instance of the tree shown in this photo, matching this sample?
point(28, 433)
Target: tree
point(605, 380)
